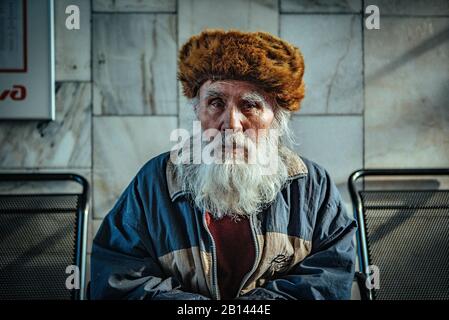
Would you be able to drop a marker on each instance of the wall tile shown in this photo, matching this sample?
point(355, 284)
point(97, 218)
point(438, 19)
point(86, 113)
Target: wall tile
point(62, 143)
point(328, 6)
point(72, 47)
point(334, 142)
point(407, 93)
point(417, 7)
point(332, 49)
point(122, 145)
point(251, 15)
point(135, 64)
point(134, 5)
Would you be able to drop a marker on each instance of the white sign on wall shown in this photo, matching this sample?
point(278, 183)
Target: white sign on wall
point(26, 60)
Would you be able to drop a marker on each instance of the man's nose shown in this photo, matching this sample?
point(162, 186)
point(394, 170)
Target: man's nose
point(232, 119)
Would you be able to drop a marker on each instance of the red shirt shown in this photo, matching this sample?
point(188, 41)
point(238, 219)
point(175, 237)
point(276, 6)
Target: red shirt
point(234, 246)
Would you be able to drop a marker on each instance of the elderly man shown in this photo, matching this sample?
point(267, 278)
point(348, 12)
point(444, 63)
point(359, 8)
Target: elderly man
point(227, 229)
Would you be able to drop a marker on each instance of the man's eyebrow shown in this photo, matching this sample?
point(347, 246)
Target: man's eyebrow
point(254, 97)
point(210, 93)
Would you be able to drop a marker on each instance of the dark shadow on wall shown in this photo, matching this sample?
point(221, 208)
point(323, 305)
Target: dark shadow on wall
point(425, 46)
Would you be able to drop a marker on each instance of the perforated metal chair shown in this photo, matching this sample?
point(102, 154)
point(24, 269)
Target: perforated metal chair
point(41, 235)
point(404, 231)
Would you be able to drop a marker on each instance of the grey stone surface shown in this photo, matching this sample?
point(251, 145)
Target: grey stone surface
point(407, 93)
point(250, 15)
point(334, 142)
point(415, 7)
point(122, 145)
point(332, 50)
point(327, 6)
point(134, 5)
point(134, 64)
point(65, 142)
point(72, 47)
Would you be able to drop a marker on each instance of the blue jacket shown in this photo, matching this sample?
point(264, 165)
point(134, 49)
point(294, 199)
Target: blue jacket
point(154, 244)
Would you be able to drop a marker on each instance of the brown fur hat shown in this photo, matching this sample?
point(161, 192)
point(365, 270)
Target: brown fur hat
point(268, 61)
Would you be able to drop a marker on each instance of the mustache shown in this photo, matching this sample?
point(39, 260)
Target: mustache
point(236, 140)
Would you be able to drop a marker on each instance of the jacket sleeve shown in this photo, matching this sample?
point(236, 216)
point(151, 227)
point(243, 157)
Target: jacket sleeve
point(123, 261)
point(328, 271)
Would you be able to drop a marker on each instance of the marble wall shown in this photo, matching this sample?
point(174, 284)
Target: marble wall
point(375, 98)
point(134, 75)
point(407, 93)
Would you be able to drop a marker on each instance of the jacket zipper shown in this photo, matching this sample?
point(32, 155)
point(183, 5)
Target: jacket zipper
point(256, 258)
point(214, 277)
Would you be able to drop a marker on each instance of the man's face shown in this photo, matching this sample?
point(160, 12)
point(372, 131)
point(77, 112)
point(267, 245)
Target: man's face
point(234, 105)
point(233, 187)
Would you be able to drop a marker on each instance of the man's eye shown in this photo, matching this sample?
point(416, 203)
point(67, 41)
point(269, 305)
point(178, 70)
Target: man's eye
point(216, 103)
point(250, 105)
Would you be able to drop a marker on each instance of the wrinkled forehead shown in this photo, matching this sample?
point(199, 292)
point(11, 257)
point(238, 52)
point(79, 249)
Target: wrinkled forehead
point(233, 89)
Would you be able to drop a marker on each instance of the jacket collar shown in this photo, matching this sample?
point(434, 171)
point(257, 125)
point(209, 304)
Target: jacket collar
point(295, 166)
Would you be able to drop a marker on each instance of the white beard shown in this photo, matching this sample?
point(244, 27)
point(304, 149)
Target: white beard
point(235, 189)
